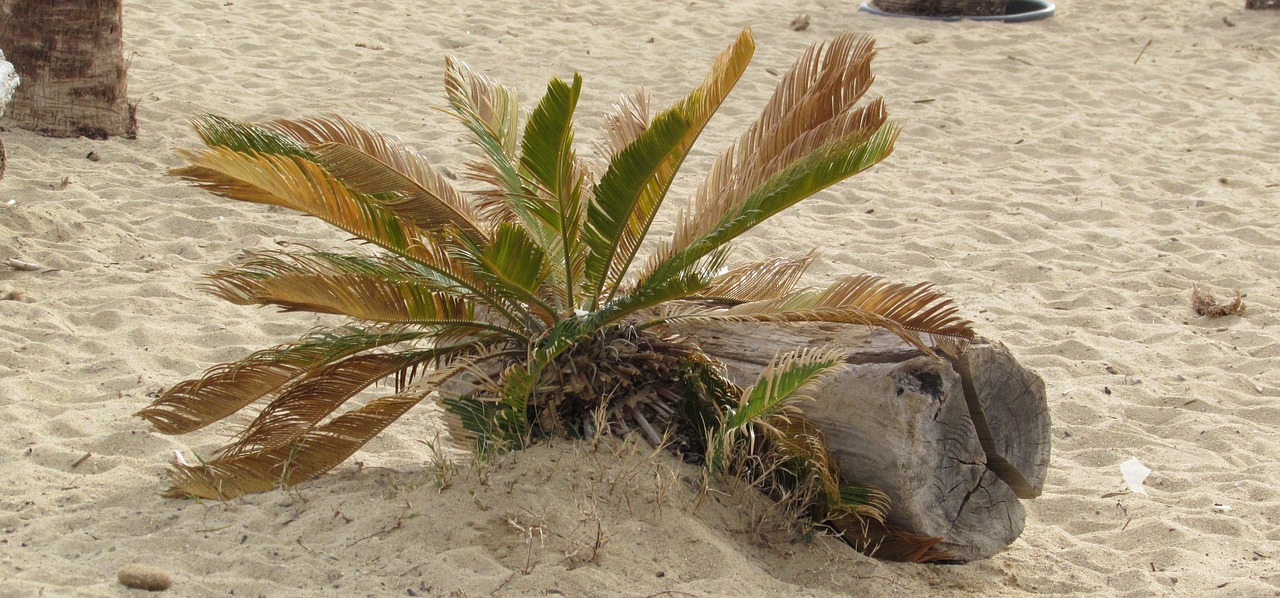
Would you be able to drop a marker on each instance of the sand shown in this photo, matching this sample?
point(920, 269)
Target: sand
point(1066, 181)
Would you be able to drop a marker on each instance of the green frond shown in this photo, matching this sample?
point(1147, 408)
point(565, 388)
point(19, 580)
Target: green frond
point(498, 422)
point(479, 425)
point(546, 150)
point(664, 286)
point(243, 137)
point(225, 389)
point(768, 279)
point(784, 380)
point(627, 183)
point(512, 266)
point(638, 192)
point(863, 501)
point(553, 199)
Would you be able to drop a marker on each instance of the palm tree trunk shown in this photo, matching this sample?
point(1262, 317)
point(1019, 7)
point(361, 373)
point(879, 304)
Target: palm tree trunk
point(70, 56)
point(943, 8)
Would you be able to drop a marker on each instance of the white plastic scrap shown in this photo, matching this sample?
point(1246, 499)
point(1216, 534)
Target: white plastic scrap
point(8, 82)
point(1135, 473)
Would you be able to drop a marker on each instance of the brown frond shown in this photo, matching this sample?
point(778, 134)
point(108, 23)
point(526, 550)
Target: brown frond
point(311, 454)
point(302, 185)
point(767, 279)
point(317, 450)
point(862, 299)
point(625, 122)
point(228, 388)
point(777, 310)
point(300, 286)
point(916, 307)
point(373, 164)
point(314, 397)
point(889, 542)
point(491, 111)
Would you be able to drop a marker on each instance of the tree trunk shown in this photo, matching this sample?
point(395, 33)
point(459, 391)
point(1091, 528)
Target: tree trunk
point(70, 56)
point(954, 443)
point(943, 8)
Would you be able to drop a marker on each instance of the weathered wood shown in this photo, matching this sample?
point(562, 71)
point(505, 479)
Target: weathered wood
point(953, 443)
point(1010, 414)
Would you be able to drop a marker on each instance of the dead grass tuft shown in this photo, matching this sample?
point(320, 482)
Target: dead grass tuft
point(1205, 304)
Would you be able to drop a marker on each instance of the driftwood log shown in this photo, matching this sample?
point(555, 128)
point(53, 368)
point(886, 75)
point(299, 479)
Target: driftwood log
point(954, 442)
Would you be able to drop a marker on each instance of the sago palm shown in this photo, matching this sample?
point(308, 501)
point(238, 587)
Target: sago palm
point(525, 307)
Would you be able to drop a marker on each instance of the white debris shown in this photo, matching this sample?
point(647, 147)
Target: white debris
point(8, 82)
point(178, 457)
point(1135, 473)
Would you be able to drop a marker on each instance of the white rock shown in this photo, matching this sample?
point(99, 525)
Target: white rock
point(8, 82)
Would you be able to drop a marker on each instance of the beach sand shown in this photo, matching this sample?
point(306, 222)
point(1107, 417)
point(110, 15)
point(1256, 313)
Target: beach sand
point(1066, 181)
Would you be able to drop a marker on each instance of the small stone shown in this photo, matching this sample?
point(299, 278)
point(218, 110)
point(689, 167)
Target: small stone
point(142, 577)
point(800, 23)
point(93, 156)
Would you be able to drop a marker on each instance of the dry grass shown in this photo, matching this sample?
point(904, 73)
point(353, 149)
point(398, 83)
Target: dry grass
point(1205, 304)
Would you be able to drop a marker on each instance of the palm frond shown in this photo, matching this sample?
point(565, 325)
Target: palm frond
point(373, 164)
point(628, 118)
point(553, 200)
point(916, 307)
point(641, 191)
point(491, 112)
point(826, 165)
point(317, 394)
point(299, 184)
point(888, 542)
point(308, 282)
point(801, 143)
point(302, 185)
point(309, 454)
point(512, 266)
point(763, 280)
point(630, 179)
point(219, 131)
point(225, 389)
point(312, 454)
point(777, 386)
point(662, 287)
